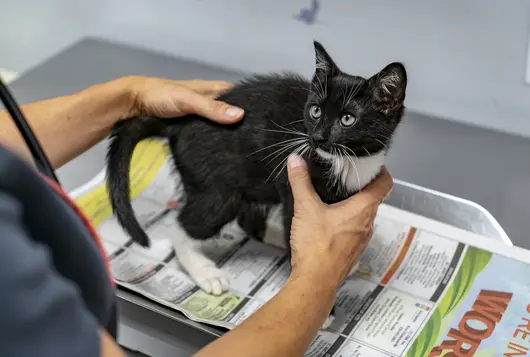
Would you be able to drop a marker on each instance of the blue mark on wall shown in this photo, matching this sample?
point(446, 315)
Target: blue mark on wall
point(308, 15)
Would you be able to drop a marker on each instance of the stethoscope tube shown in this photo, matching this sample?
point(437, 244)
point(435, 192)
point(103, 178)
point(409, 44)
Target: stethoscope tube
point(39, 156)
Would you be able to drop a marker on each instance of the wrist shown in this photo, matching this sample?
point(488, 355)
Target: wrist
point(319, 282)
point(104, 104)
point(324, 274)
point(124, 91)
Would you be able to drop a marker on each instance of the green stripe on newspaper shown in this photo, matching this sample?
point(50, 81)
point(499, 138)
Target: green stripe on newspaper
point(474, 262)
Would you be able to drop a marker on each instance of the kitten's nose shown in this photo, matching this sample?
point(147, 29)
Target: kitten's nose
point(318, 139)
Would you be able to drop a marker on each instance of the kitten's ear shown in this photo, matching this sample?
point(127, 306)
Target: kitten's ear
point(324, 65)
point(389, 87)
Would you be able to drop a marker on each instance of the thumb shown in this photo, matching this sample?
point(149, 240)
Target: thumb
point(215, 110)
point(300, 180)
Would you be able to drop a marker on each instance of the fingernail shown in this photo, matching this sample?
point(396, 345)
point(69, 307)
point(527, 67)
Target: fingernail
point(295, 161)
point(234, 112)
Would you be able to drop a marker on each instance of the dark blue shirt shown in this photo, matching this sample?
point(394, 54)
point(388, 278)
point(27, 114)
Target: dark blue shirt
point(55, 293)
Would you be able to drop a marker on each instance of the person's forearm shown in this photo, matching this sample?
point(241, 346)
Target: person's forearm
point(69, 125)
point(284, 326)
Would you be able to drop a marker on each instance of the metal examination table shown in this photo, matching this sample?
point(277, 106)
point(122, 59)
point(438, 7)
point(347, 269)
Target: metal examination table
point(447, 156)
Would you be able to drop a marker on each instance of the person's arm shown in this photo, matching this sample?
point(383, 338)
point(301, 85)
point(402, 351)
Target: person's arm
point(69, 125)
point(284, 326)
point(109, 347)
point(326, 242)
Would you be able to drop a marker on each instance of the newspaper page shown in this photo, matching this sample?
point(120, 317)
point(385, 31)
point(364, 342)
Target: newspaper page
point(423, 288)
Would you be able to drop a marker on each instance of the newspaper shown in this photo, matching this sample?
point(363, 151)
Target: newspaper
point(423, 288)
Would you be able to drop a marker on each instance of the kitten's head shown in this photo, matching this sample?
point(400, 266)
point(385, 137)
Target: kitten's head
point(345, 113)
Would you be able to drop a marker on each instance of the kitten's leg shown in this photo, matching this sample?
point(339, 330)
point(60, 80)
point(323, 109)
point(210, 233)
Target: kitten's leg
point(201, 269)
point(202, 217)
point(252, 218)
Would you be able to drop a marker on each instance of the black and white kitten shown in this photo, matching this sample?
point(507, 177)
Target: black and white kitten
point(341, 124)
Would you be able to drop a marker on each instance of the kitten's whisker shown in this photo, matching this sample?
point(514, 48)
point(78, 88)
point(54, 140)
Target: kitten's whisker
point(368, 152)
point(338, 178)
point(332, 178)
point(285, 132)
point(278, 165)
point(279, 152)
point(329, 173)
point(294, 122)
point(338, 168)
point(282, 163)
point(287, 129)
point(296, 151)
point(306, 150)
point(350, 150)
point(344, 148)
point(282, 150)
point(384, 137)
point(342, 166)
point(353, 165)
point(273, 145)
point(382, 143)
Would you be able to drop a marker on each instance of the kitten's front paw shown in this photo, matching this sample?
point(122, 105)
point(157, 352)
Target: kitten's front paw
point(210, 279)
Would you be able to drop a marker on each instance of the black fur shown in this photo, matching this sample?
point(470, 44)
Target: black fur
point(228, 171)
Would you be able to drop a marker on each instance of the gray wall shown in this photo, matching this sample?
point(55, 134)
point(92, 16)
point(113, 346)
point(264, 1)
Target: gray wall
point(466, 58)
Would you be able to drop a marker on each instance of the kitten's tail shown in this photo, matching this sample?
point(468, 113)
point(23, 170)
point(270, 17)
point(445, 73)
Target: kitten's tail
point(123, 139)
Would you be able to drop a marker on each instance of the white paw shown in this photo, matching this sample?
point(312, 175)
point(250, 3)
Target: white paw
point(328, 322)
point(210, 279)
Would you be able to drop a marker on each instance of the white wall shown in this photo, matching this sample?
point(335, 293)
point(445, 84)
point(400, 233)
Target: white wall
point(466, 58)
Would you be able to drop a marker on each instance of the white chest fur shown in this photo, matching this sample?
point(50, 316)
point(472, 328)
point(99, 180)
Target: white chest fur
point(353, 173)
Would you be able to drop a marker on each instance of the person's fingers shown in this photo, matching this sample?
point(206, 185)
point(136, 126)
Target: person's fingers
point(217, 88)
point(300, 180)
point(191, 102)
point(208, 88)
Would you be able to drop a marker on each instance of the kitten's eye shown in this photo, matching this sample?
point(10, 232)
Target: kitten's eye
point(315, 111)
point(347, 120)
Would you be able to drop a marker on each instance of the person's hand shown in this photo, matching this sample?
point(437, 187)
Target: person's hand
point(166, 98)
point(328, 240)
